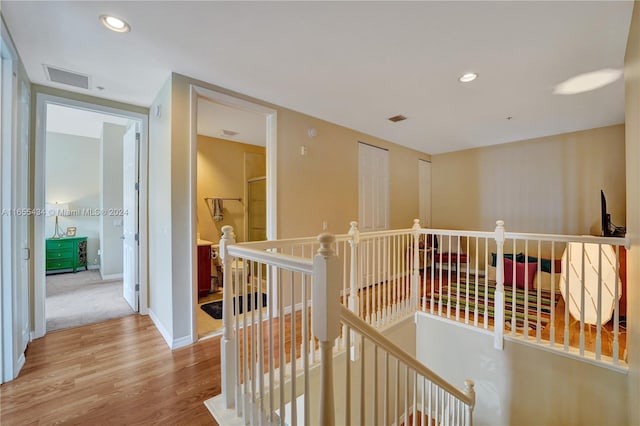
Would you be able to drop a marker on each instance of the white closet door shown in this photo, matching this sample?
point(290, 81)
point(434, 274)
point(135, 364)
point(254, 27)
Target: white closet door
point(424, 193)
point(373, 188)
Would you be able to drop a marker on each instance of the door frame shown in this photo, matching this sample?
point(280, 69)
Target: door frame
point(424, 195)
point(271, 118)
point(39, 262)
point(14, 305)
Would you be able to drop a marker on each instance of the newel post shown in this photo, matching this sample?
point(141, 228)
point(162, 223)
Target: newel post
point(325, 299)
point(415, 275)
point(471, 393)
point(498, 326)
point(227, 344)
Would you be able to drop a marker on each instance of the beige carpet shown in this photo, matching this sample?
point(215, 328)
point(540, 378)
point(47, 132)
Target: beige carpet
point(82, 298)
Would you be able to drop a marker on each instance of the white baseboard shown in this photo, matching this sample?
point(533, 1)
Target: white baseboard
point(171, 342)
point(181, 342)
point(111, 276)
point(93, 267)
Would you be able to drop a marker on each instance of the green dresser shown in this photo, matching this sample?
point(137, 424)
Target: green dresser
point(66, 253)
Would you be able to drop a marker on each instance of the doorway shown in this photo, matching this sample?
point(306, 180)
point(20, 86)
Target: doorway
point(85, 185)
point(233, 147)
point(424, 193)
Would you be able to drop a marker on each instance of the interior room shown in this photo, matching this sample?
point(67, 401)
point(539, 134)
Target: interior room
point(231, 190)
point(84, 257)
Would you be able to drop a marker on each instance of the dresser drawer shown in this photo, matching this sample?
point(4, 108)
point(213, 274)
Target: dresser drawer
point(59, 245)
point(59, 264)
point(66, 253)
point(60, 254)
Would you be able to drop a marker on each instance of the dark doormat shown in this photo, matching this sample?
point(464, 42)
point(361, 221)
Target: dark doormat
point(214, 309)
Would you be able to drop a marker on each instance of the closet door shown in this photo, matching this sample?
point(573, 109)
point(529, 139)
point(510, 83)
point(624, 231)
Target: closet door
point(373, 188)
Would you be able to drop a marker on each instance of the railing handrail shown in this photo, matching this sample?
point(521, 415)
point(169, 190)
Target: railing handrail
point(284, 261)
point(288, 242)
point(353, 321)
point(457, 232)
point(616, 241)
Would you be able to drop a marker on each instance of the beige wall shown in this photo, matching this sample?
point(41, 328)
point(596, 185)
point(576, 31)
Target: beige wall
point(632, 115)
point(160, 208)
point(323, 185)
point(223, 169)
point(544, 185)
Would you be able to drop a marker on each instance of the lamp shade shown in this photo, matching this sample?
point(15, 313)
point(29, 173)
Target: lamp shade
point(594, 256)
point(57, 209)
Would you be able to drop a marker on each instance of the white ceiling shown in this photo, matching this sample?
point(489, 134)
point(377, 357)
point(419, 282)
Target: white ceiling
point(79, 122)
point(353, 63)
point(213, 118)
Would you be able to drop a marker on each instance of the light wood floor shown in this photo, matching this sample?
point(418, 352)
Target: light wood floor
point(118, 372)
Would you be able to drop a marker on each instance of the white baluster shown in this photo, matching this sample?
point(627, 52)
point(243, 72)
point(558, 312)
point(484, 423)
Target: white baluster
point(325, 303)
point(354, 241)
point(227, 345)
point(498, 326)
point(415, 281)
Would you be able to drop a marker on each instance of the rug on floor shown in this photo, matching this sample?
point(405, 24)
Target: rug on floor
point(214, 309)
point(472, 296)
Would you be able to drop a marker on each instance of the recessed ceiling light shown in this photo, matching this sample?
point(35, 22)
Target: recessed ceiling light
point(468, 77)
point(115, 24)
point(587, 81)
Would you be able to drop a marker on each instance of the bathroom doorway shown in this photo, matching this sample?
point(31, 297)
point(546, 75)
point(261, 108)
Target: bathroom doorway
point(232, 188)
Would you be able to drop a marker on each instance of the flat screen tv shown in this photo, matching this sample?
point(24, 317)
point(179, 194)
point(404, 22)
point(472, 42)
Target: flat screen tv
point(608, 228)
point(605, 217)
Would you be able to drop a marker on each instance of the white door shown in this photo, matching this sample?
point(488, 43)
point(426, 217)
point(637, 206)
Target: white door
point(130, 217)
point(14, 230)
point(424, 193)
point(23, 254)
point(373, 188)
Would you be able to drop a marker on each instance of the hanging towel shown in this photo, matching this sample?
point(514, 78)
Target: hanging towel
point(217, 210)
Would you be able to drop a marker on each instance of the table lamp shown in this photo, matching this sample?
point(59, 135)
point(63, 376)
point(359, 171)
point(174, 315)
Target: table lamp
point(57, 209)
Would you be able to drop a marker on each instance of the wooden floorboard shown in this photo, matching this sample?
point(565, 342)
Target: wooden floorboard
point(116, 372)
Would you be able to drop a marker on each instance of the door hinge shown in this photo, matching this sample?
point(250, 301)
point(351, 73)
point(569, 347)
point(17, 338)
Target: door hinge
point(138, 137)
point(137, 237)
point(137, 186)
point(137, 287)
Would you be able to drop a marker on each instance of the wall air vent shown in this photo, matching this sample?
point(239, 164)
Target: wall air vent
point(70, 78)
point(397, 118)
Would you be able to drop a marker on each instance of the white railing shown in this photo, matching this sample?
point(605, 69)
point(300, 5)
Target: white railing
point(272, 344)
point(464, 280)
point(400, 390)
point(513, 285)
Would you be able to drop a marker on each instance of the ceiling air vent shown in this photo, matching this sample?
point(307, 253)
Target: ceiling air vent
point(397, 118)
point(69, 78)
point(228, 133)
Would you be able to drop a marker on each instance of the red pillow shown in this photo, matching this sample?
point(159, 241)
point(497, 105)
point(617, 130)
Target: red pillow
point(521, 271)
